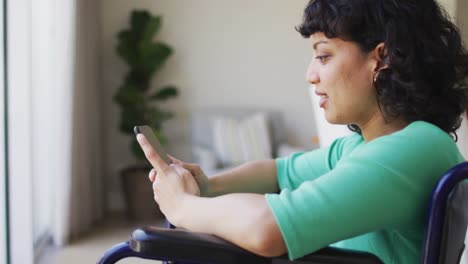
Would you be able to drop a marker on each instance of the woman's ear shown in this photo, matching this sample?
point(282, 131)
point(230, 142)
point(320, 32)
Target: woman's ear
point(380, 54)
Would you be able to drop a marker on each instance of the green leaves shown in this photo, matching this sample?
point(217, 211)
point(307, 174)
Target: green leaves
point(165, 93)
point(125, 49)
point(142, 113)
point(150, 29)
point(129, 117)
point(144, 56)
point(140, 19)
point(151, 57)
point(129, 95)
point(136, 46)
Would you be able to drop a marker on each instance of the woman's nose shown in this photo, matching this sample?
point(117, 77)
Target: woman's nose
point(312, 75)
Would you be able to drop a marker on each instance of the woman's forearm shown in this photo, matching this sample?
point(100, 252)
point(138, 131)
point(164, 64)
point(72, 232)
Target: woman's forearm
point(243, 219)
point(253, 177)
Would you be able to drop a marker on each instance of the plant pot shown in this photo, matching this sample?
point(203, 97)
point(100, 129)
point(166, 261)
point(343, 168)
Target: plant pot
point(138, 194)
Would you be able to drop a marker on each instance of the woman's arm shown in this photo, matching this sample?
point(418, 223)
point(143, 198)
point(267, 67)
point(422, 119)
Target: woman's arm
point(243, 219)
point(252, 177)
point(258, 176)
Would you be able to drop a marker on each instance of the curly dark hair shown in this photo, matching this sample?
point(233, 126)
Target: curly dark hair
point(428, 65)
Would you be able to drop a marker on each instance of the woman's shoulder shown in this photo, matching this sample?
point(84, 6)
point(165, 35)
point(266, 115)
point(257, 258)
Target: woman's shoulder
point(420, 133)
point(418, 141)
point(424, 127)
point(421, 150)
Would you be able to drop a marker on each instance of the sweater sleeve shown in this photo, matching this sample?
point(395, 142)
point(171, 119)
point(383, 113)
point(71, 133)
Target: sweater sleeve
point(302, 166)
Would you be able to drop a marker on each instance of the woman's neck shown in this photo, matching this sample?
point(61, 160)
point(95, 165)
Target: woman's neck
point(377, 126)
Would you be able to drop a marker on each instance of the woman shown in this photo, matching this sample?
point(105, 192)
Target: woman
point(393, 71)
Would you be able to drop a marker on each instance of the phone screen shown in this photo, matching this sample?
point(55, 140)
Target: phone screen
point(154, 142)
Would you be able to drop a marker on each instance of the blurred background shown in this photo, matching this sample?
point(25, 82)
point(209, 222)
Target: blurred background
point(78, 74)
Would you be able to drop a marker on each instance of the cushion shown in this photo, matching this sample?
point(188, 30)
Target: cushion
point(239, 141)
point(205, 158)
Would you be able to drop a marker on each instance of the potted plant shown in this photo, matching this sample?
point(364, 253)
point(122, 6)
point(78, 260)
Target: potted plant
point(138, 102)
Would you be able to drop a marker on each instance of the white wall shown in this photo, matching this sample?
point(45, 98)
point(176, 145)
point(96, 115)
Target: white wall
point(231, 53)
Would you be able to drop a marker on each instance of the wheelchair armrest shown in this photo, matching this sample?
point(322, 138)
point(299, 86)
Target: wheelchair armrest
point(182, 245)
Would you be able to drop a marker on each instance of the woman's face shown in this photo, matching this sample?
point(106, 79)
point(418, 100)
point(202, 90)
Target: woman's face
point(343, 78)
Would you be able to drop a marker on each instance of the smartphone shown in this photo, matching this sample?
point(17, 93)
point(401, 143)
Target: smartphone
point(153, 140)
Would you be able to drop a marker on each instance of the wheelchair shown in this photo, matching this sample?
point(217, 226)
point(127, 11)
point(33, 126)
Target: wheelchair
point(445, 230)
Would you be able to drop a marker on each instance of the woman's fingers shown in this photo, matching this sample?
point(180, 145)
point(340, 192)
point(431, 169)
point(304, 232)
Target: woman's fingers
point(175, 161)
point(190, 185)
point(152, 155)
point(180, 169)
point(191, 167)
point(152, 175)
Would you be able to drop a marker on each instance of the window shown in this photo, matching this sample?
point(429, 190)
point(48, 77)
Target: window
point(3, 190)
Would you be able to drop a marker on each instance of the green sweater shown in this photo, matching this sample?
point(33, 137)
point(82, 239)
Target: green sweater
point(368, 196)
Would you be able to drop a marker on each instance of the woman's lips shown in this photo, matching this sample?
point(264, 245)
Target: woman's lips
point(323, 98)
point(323, 101)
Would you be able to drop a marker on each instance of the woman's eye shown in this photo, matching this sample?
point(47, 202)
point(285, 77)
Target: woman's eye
point(322, 58)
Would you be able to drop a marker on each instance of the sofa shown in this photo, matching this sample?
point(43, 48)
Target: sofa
point(205, 147)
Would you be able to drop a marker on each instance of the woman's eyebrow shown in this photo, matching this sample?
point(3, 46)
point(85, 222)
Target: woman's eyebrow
point(318, 43)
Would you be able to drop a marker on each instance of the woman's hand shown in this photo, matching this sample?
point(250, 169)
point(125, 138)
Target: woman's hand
point(194, 169)
point(198, 174)
point(172, 183)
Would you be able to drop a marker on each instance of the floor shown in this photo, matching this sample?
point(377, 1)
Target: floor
point(90, 247)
